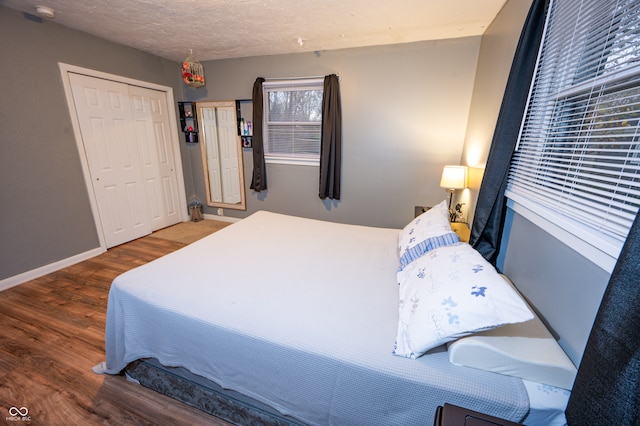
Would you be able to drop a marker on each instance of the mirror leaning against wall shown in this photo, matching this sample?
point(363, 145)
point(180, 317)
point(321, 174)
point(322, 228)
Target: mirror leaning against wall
point(221, 155)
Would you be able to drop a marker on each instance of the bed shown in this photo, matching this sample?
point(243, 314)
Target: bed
point(300, 319)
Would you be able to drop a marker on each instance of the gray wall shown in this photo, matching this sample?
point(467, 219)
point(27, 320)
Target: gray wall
point(45, 214)
point(405, 110)
point(498, 46)
point(564, 287)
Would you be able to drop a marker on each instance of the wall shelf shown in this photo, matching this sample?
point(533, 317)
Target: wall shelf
point(188, 121)
point(244, 112)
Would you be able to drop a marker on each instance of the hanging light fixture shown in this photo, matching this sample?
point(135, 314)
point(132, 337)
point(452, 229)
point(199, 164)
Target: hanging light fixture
point(192, 71)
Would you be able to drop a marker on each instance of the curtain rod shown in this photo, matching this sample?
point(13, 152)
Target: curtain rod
point(301, 78)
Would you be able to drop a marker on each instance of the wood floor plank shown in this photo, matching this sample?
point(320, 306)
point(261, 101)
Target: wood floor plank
point(52, 333)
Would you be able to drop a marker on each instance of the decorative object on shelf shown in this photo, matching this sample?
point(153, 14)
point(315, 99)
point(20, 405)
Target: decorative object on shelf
point(453, 178)
point(192, 71)
point(188, 121)
point(455, 214)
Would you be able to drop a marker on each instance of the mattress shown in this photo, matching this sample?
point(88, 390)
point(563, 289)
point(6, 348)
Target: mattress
point(297, 314)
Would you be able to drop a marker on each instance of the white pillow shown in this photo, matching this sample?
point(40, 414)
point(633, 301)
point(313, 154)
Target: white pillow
point(449, 293)
point(426, 232)
point(526, 350)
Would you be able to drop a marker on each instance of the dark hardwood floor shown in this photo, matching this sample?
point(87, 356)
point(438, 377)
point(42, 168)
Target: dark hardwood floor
point(52, 333)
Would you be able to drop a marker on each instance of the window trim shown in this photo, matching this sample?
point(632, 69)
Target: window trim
point(601, 251)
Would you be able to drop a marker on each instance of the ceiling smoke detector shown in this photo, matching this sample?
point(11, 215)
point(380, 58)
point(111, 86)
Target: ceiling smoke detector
point(45, 12)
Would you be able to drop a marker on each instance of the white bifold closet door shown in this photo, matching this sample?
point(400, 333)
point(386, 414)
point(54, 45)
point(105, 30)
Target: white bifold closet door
point(125, 133)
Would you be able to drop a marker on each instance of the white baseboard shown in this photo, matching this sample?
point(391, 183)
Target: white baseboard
point(47, 269)
point(221, 218)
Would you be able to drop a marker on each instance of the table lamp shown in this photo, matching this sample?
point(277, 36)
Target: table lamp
point(453, 177)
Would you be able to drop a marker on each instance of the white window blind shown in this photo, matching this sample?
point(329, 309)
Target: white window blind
point(578, 154)
point(293, 120)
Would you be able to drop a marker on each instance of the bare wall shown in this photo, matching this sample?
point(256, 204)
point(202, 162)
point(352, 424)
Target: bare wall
point(45, 214)
point(565, 288)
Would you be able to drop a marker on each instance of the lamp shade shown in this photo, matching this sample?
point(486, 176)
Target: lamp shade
point(454, 177)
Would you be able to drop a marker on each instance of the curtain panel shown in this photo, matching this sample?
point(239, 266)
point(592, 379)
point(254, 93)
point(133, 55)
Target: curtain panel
point(259, 179)
point(488, 221)
point(607, 387)
point(331, 139)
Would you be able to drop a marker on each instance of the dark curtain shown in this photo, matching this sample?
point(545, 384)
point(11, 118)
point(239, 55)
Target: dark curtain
point(607, 387)
point(259, 179)
point(488, 220)
point(331, 139)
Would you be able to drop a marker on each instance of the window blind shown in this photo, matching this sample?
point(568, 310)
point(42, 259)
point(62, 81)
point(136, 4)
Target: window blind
point(578, 153)
point(293, 119)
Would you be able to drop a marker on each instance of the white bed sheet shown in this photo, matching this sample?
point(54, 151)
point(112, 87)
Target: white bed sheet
point(315, 345)
point(547, 404)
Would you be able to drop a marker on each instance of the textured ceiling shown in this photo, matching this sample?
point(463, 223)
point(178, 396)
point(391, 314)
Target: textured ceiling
point(217, 29)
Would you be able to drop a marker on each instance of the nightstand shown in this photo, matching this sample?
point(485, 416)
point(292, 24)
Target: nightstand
point(459, 228)
point(452, 415)
point(462, 230)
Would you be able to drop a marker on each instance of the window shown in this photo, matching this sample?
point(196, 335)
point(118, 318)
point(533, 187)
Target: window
point(292, 121)
point(577, 162)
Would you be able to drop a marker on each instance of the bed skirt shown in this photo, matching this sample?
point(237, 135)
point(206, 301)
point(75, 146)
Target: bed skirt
point(205, 395)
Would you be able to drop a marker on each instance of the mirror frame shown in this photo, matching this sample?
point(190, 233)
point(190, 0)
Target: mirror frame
point(242, 205)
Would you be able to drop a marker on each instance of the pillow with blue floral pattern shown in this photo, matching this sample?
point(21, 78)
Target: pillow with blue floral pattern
point(448, 293)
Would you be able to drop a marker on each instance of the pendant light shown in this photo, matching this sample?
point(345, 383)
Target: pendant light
point(192, 71)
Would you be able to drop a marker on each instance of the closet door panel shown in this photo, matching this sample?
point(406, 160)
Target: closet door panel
point(158, 163)
point(104, 114)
